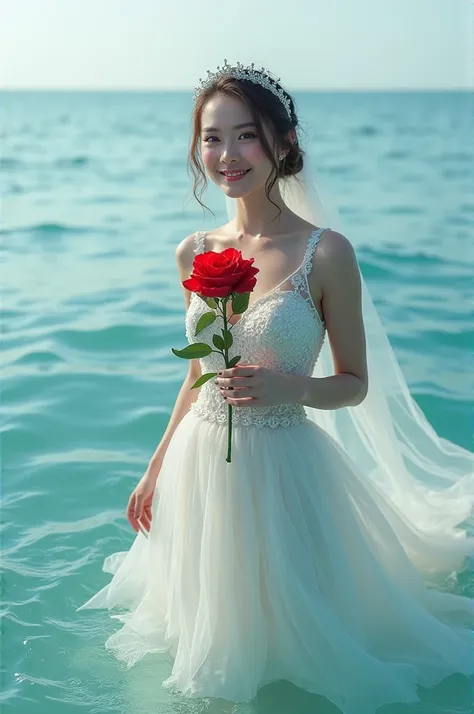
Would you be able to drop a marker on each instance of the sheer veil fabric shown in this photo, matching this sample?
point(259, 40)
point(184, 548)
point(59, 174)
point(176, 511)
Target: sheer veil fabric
point(302, 558)
point(430, 479)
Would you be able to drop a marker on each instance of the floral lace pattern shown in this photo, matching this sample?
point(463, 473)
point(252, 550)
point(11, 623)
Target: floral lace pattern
point(281, 330)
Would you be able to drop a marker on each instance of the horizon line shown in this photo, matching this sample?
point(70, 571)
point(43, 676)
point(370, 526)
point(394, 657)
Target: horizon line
point(183, 90)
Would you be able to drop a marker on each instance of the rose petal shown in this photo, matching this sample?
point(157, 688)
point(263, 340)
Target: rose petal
point(192, 285)
point(219, 274)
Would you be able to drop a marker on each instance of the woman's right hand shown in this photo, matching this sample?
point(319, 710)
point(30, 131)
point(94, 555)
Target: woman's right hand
point(139, 503)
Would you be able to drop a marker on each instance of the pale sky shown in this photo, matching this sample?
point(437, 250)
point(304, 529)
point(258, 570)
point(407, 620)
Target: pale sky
point(169, 44)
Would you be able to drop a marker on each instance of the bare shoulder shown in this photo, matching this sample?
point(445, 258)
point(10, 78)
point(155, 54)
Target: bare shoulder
point(185, 255)
point(185, 249)
point(335, 246)
point(335, 256)
point(184, 260)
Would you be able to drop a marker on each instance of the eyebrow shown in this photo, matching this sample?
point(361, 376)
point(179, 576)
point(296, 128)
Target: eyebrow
point(237, 126)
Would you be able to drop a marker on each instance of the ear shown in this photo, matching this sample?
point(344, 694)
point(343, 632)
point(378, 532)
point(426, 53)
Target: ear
point(291, 136)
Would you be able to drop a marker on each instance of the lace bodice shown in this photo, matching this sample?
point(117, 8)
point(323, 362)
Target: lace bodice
point(280, 330)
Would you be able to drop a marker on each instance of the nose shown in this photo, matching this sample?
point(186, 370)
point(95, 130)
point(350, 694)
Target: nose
point(228, 156)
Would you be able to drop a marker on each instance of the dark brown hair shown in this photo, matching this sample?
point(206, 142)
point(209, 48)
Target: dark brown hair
point(265, 108)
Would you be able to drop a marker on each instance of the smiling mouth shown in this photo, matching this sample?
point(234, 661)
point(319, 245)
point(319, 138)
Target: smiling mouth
point(231, 174)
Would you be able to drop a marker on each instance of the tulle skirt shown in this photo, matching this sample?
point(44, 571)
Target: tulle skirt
point(288, 564)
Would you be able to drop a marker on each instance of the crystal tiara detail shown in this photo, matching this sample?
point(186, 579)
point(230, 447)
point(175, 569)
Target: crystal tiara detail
point(249, 73)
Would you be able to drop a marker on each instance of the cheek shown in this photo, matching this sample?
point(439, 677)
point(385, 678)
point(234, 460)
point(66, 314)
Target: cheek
point(254, 153)
point(208, 157)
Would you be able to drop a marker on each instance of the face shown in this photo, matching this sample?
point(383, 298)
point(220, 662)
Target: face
point(229, 142)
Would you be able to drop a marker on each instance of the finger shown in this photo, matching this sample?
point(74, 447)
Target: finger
point(243, 383)
point(131, 506)
point(146, 522)
point(243, 370)
point(236, 383)
point(142, 528)
point(148, 509)
point(243, 402)
point(237, 392)
point(239, 370)
point(132, 520)
point(138, 510)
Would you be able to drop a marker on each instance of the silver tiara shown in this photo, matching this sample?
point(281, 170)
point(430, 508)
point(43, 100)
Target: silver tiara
point(242, 72)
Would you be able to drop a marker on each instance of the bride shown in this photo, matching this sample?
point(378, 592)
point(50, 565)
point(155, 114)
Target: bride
point(317, 555)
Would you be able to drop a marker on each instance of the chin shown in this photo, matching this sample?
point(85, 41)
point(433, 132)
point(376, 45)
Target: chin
point(236, 190)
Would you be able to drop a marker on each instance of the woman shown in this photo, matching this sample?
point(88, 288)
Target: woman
point(289, 562)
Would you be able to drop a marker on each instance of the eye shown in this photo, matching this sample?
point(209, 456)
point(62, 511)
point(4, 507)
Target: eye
point(207, 139)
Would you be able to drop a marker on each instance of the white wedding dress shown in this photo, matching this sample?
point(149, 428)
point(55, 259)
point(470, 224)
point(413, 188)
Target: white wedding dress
point(287, 563)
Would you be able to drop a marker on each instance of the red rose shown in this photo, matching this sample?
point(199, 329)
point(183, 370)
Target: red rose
point(219, 274)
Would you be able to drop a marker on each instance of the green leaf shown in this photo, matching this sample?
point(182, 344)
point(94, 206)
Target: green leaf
point(203, 379)
point(240, 302)
point(194, 351)
point(205, 320)
point(233, 362)
point(218, 342)
point(228, 339)
point(210, 302)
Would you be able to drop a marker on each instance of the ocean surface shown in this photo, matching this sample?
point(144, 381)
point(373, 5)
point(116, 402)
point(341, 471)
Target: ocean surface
point(96, 196)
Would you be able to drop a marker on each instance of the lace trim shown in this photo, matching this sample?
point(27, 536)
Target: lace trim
point(310, 248)
point(300, 279)
point(199, 240)
point(284, 415)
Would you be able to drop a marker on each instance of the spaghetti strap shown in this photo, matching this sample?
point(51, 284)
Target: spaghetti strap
point(313, 241)
point(299, 279)
point(199, 238)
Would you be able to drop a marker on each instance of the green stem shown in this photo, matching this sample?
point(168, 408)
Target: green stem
point(229, 406)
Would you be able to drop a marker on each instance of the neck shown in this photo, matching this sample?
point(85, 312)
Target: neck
point(255, 215)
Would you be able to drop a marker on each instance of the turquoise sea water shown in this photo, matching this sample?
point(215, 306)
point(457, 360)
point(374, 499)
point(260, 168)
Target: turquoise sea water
point(96, 197)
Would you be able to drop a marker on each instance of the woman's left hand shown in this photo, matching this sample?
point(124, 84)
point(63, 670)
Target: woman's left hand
point(248, 385)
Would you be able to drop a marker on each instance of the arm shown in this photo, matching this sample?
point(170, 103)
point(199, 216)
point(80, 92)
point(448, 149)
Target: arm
point(336, 272)
point(186, 395)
